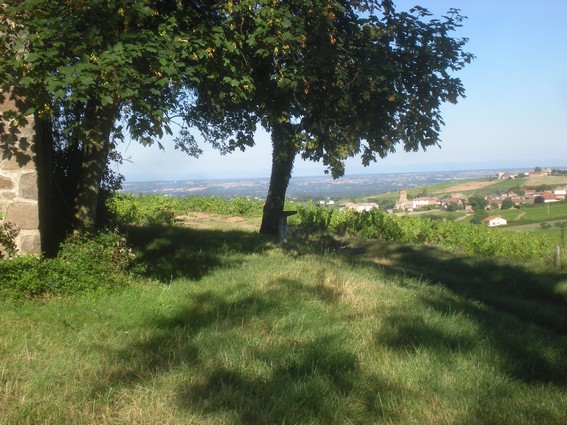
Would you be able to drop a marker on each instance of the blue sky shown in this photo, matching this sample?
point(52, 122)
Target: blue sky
point(514, 115)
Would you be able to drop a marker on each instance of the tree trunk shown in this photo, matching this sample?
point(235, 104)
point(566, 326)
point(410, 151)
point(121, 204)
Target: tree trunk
point(96, 146)
point(283, 155)
point(50, 224)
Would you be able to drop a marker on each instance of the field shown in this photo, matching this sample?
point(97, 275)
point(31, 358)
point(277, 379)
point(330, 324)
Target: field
point(546, 219)
point(219, 325)
point(477, 187)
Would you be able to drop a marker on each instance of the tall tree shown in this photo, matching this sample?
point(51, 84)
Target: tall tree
point(96, 70)
point(329, 80)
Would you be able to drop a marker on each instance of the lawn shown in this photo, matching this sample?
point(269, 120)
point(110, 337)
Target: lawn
point(226, 327)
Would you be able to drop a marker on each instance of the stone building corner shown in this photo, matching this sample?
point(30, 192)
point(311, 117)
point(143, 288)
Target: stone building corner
point(19, 179)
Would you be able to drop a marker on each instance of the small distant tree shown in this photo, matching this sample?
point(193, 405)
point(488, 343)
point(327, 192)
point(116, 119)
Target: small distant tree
point(507, 203)
point(478, 203)
point(387, 204)
point(478, 217)
point(517, 190)
point(454, 206)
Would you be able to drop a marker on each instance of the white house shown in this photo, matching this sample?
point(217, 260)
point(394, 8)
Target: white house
point(495, 220)
point(560, 193)
point(359, 207)
point(425, 202)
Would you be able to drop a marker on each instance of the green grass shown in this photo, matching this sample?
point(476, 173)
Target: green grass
point(544, 212)
point(226, 327)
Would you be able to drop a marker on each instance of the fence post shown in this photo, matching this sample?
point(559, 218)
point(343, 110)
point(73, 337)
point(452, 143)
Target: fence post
point(557, 256)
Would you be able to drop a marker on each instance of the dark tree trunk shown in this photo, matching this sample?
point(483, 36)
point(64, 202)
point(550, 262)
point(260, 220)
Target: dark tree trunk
point(51, 226)
point(283, 155)
point(99, 122)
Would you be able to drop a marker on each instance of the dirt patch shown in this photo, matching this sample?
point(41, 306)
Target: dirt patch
point(205, 220)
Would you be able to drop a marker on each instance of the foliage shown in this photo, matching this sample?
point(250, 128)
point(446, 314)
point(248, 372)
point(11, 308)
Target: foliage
point(507, 203)
point(85, 263)
point(158, 209)
point(93, 73)
point(112, 53)
point(558, 172)
point(454, 206)
point(8, 234)
point(328, 81)
point(463, 237)
point(478, 203)
point(478, 217)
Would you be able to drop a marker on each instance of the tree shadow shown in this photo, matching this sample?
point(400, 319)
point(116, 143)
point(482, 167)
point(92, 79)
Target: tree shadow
point(165, 253)
point(523, 314)
point(14, 144)
point(303, 387)
point(520, 314)
point(536, 298)
point(304, 380)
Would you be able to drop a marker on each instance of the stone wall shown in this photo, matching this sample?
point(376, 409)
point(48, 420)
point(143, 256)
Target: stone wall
point(19, 179)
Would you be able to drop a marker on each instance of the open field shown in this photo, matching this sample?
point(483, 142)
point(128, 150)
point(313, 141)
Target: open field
point(472, 186)
point(222, 326)
point(478, 187)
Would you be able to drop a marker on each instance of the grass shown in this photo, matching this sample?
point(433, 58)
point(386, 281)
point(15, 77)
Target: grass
point(226, 327)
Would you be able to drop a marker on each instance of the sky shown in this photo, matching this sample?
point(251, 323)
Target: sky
point(514, 114)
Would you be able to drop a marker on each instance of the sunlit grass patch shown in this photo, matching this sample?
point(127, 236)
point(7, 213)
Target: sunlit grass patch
point(231, 328)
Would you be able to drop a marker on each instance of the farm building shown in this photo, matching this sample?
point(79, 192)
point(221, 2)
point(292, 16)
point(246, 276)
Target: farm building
point(359, 207)
point(495, 221)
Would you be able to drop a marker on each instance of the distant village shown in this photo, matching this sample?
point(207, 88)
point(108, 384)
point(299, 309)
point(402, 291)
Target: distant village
point(458, 201)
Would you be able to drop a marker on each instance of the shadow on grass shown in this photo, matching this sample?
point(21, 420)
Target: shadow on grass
point(297, 379)
point(534, 297)
point(522, 313)
point(165, 253)
point(306, 385)
point(317, 380)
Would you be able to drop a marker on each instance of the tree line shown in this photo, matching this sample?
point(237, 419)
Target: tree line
point(327, 79)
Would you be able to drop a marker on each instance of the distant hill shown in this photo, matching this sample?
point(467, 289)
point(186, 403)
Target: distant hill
point(477, 187)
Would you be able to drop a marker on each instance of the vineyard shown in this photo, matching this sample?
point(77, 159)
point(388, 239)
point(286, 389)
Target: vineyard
point(156, 209)
point(462, 237)
point(457, 236)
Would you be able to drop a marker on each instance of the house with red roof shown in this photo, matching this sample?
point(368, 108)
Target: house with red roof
point(495, 221)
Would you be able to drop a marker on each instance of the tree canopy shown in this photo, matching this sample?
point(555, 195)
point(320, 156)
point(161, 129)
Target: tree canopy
point(330, 80)
point(96, 71)
point(327, 79)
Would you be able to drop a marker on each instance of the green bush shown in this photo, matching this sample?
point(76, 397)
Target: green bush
point(464, 237)
point(85, 263)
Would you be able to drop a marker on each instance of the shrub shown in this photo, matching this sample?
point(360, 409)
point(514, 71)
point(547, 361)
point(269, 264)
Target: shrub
point(85, 263)
point(464, 237)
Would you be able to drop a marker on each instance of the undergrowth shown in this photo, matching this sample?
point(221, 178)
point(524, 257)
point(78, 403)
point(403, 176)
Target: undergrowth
point(461, 237)
point(85, 263)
